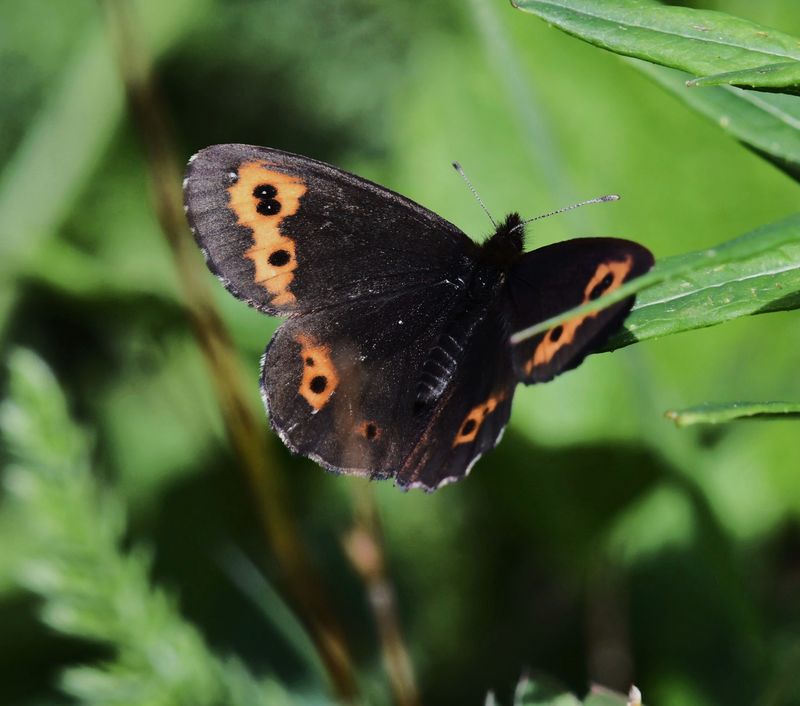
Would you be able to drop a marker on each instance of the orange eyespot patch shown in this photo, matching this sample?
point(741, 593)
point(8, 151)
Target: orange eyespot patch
point(607, 277)
point(261, 198)
point(320, 379)
point(472, 422)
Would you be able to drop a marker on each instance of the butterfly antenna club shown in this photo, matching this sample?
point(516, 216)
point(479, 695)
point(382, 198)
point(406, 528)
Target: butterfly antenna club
point(464, 176)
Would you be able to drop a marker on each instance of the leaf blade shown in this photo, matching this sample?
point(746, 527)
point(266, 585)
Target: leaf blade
point(720, 413)
point(701, 42)
point(783, 75)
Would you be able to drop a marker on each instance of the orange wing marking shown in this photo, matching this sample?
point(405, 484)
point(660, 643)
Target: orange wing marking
point(320, 378)
point(369, 430)
point(475, 417)
point(564, 334)
point(273, 253)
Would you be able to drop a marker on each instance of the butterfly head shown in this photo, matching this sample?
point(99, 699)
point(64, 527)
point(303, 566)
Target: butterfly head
point(505, 246)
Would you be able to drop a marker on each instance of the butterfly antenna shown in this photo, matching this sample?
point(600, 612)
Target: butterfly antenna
point(599, 199)
point(458, 168)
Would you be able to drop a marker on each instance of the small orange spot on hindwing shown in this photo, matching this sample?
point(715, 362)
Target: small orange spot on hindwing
point(475, 417)
point(261, 198)
point(369, 430)
point(606, 278)
point(320, 379)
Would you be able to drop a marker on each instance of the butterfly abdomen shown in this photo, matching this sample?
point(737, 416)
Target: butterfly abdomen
point(443, 360)
point(440, 366)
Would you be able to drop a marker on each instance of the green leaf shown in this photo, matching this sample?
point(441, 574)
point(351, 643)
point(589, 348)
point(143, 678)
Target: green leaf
point(719, 413)
point(770, 124)
point(37, 410)
point(772, 76)
point(701, 42)
point(756, 273)
point(271, 605)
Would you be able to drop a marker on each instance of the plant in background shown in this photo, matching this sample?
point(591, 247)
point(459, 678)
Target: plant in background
point(90, 587)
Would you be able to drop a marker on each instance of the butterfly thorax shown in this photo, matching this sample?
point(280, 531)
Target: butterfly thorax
point(504, 248)
point(496, 256)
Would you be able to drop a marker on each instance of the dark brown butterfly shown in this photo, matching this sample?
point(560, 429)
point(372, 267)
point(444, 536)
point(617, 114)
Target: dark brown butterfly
point(395, 360)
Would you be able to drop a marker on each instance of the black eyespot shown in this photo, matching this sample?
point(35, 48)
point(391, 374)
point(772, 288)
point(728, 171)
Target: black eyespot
point(371, 431)
point(318, 384)
point(601, 286)
point(469, 427)
point(279, 258)
point(268, 207)
point(555, 333)
point(265, 191)
point(310, 362)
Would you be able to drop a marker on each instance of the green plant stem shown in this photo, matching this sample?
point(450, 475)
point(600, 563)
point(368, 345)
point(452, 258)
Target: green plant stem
point(244, 427)
point(364, 547)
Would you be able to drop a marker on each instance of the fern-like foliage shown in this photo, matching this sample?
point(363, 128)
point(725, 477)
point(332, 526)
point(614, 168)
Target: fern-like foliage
point(90, 588)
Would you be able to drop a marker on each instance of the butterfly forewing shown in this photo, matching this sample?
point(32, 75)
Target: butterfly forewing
point(289, 234)
point(558, 277)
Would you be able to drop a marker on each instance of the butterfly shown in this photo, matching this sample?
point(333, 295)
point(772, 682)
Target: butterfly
point(395, 359)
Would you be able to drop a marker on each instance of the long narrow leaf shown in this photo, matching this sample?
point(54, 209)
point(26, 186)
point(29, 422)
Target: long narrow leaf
point(714, 413)
point(701, 42)
point(785, 75)
point(65, 142)
point(768, 123)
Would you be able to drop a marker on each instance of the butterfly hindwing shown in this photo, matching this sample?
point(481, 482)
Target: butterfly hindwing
point(558, 277)
point(290, 234)
point(341, 384)
point(345, 392)
point(470, 418)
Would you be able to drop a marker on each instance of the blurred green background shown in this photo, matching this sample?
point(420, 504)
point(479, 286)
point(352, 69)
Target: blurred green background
point(598, 542)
